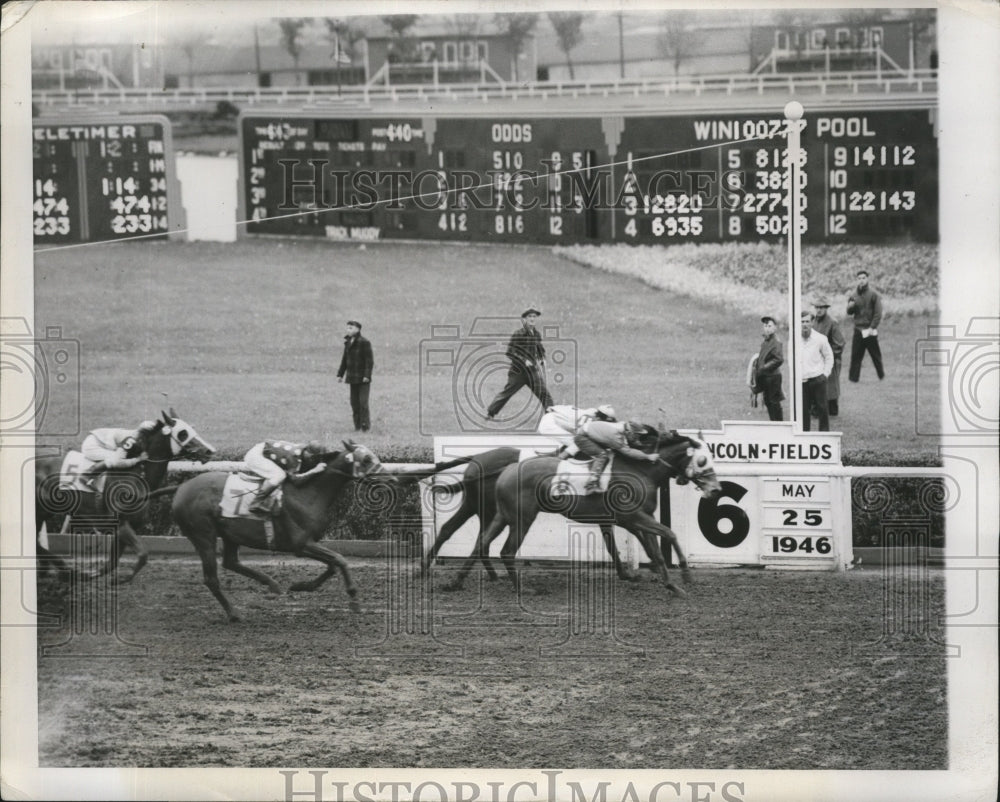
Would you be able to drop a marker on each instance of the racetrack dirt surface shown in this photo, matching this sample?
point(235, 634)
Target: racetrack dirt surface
point(752, 670)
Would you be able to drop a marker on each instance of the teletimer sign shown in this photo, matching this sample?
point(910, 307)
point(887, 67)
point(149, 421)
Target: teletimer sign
point(686, 177)
point(103, 178)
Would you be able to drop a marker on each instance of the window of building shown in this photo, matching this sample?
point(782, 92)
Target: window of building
point(450, 53)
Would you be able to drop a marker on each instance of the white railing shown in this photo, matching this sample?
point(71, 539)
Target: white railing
point(919, 82)
point(183, 466)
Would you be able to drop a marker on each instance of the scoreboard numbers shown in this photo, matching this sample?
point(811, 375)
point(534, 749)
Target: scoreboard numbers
point(103, 178)
point(866, 173)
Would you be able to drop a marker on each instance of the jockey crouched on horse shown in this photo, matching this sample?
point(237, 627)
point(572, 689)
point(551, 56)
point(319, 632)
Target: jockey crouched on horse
point(598, 438)
point(562, 421)
point(277, 460)
point(109, 449)
point(274, 461)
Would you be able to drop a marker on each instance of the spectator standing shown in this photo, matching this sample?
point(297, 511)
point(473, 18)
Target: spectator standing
point(527, 365)
point(829, 328)
point(866, 306)
point(815, 358)
point(356, 369)
point(768, 371)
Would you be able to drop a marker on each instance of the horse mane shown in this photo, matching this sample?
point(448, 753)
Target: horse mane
point(673, 438)
point(140, 446)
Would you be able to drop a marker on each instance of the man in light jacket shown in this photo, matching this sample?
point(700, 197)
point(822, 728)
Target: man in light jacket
point(815, 359)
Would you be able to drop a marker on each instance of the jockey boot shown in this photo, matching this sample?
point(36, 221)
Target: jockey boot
point(593, 483)
point(262, 503)
point(89, 476)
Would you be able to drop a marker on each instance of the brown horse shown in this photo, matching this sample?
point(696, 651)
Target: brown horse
point(126, 494)
point(478, 486)
point(524, 489)
point(306, 512)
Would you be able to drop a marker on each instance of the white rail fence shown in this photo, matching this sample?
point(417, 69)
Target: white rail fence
point(920, 82)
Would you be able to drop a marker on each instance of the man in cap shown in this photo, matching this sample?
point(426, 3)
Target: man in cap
point(768, 372)
point(527, 365)
point(829, 328)
point(815, 359)
point(356, 369)
point(866, 307)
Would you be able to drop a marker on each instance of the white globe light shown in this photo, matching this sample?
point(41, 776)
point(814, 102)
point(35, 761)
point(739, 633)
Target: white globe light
point(793, 110)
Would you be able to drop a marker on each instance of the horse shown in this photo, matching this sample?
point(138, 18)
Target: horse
point(306, 512)
point(125, 497)
point(524, 489)
point(478, 484)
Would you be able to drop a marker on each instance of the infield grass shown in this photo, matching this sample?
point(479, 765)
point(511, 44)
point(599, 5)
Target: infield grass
point(246, 339)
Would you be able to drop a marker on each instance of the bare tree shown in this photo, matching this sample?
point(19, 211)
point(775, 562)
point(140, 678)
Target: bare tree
point(677, 39)
point(465, 24)
point(568, 27)
point(343, 36)
point(518, 29)
point(291, 29)
point(400, 25)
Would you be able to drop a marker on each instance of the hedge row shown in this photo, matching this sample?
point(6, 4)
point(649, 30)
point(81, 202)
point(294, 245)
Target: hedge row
point(881, 505)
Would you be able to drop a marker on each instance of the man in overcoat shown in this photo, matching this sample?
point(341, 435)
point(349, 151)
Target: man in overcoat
point(829, 328)
point(356, 369)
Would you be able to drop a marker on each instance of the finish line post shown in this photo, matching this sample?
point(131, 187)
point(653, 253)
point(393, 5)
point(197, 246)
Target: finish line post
point(793, 113)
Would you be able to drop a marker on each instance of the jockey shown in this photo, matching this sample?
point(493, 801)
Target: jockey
point(277, 460)
point(109, 448)
point(599, 438)
point(562, 422)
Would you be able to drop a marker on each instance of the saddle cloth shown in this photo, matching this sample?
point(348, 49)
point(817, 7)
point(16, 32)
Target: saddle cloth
point(572, 475)
point(240, 491)
point(74, 463)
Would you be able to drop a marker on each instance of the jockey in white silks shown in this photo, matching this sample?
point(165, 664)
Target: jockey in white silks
point(108, 449)
point(562, 422)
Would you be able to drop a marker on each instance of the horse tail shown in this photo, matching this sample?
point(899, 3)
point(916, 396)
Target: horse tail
point(443, 466)
point(163, 491)
point(450, 489)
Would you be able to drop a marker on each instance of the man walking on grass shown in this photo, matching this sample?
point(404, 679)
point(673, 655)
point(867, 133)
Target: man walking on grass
point(527, 365)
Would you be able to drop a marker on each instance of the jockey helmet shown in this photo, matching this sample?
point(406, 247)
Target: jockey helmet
point(313, 449)
point(147, 427)
point(605, 412)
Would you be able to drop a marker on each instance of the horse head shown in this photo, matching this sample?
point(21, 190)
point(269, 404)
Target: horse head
point(366, 463)
point(184, 440)
point(692, 461)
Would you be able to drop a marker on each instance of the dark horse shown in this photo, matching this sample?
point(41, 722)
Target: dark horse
point(478, 486)
point(126, 494)
point(523, 490)
point(306, 512)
